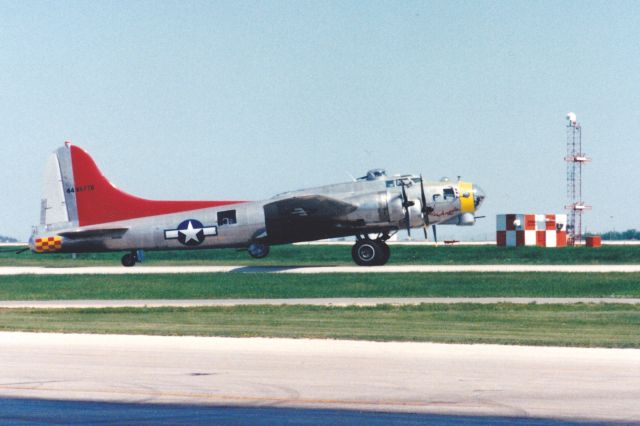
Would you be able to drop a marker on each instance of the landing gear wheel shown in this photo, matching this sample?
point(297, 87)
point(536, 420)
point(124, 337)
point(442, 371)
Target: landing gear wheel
point(258, 250)
point(368, 252)
point(129, 259)
point(386, 253)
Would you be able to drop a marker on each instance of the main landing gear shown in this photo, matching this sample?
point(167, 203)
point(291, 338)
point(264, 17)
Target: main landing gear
point(258, 250)
point(130, 259)
point(368, 252)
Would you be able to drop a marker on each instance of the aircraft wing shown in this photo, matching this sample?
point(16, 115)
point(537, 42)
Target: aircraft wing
point(311, 207)
point(308, 217)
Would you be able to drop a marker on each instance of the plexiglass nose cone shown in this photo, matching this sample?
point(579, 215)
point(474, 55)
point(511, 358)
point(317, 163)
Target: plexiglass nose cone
point(478, 195)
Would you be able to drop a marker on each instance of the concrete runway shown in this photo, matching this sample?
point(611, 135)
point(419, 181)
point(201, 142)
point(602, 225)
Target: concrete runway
point(335, 301)
point(120, 270)
point(469, 381)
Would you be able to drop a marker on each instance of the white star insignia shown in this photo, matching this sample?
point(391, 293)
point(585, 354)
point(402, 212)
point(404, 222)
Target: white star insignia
point(190, 233)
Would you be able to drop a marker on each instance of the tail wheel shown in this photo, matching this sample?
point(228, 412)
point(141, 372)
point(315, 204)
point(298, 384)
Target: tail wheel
point(368, 252)
point(129, 259)
point(258, 251)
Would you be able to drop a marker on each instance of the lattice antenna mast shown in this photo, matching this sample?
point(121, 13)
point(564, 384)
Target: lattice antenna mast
point(575, 159)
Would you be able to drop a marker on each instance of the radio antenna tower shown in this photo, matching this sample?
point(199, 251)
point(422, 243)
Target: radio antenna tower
point(575, 159)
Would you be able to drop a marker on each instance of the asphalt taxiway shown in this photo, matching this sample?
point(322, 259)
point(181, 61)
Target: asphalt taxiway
point(120, 270)
point(470, 381)
point(32, 411)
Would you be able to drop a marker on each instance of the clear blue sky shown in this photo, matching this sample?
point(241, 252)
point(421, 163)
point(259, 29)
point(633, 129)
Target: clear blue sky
point(242, 100)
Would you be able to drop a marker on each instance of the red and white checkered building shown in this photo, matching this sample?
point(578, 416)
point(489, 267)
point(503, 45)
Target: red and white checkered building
point(543, 230)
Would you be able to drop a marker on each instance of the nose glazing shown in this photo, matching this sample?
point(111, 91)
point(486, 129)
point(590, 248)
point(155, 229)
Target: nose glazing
point(478, 196)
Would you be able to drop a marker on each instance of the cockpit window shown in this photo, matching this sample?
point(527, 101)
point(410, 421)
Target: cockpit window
point(404, 181)
point(449, 193)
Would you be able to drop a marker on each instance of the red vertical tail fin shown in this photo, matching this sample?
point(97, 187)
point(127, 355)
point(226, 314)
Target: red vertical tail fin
point(98, 201)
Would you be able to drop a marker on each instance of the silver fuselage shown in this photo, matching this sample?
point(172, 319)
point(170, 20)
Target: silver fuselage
point(378, 208)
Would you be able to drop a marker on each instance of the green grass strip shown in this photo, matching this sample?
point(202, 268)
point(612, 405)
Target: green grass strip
point(588, 325)
point(299, 255)
point(261, 285)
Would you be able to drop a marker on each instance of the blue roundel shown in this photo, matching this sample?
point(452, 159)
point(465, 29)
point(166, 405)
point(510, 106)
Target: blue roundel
point(191, 232)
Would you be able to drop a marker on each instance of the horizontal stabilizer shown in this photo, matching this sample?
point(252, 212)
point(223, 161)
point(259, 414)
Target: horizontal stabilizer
point(96, 232)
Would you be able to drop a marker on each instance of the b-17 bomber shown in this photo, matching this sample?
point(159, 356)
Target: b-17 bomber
point(82, 211)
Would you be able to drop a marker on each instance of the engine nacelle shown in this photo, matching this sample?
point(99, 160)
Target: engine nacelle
point(466, 219)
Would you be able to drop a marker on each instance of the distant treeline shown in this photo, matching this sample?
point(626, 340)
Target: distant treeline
point(629, 234)
point(4, 239)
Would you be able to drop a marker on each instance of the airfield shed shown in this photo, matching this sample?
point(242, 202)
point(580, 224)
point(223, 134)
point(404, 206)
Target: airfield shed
point(520, 229)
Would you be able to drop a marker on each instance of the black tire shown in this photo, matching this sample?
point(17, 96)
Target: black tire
point(385, 253)
point(258, 251)
point(129, 260)
point(368, 253)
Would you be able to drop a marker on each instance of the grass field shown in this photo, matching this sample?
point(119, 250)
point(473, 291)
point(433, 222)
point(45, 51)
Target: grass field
point(287, 255)
point(261, 285)
point(607, 325)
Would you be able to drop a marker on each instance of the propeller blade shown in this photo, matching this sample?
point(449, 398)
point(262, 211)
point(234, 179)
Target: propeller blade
point(405, 201)
point(406, 204)
point(435, 234)
point(425, 209)
point(407, 219)
point(423, 198)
